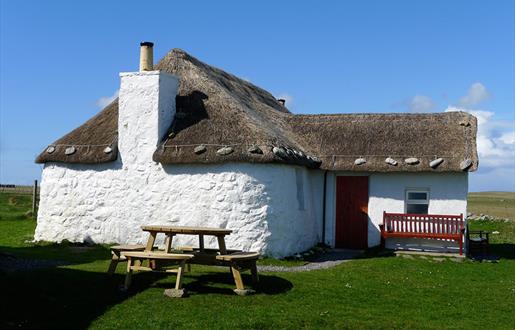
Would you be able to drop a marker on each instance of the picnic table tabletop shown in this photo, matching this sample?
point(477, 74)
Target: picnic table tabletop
point(187, 230)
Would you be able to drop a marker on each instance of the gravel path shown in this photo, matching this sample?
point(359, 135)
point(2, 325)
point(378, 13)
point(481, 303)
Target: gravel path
point(327, 260)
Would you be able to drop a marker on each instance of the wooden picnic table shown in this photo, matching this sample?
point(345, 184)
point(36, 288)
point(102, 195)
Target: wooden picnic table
point(237, 260)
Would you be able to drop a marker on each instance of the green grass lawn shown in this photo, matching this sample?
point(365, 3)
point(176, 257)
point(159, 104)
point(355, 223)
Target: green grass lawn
point(372, 292)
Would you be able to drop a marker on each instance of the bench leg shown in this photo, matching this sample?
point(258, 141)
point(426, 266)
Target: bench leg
point(237, 278)
point(178, 281)
point(253, 271)
point(114, 262)
point(128, 277)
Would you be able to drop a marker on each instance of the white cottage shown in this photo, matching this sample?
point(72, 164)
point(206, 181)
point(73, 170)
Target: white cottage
point(189, 144)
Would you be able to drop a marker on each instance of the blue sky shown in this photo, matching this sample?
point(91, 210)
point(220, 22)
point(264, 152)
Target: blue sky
point(59, 61)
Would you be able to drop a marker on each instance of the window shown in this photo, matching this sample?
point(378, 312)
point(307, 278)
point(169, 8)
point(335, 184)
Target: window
point(417, 201)
point(300, 188)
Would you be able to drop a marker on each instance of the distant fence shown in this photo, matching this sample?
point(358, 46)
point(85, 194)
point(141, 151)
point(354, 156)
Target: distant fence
point(18, 190)
point(24, 190)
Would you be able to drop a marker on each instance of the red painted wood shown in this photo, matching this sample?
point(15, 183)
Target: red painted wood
point(351, 212)
point(442, 226)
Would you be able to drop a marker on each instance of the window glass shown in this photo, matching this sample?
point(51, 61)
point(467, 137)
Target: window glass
point(417, 201)
point(417, 195)
point(417, 208)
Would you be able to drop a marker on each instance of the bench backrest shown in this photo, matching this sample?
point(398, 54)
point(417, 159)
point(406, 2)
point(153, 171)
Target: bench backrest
point(423, 223)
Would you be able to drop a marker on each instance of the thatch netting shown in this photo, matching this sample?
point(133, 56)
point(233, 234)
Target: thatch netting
point(216, 110)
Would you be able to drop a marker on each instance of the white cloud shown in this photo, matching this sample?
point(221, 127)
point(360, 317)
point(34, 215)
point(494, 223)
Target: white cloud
point(105, 100)
point(508, 138)
point(286, 97)
point(477, 93)
point(495, 140)
point(420, 103)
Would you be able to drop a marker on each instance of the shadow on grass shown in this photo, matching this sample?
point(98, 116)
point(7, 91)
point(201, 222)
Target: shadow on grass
point(60, 297)
point(500, 250)
point(64, 253)
point(503, 250)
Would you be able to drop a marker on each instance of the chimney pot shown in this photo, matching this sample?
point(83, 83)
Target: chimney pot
point(146, 59)
point(282, 101)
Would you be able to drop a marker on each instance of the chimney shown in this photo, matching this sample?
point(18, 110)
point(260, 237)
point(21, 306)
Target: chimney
point(282, 101)
point(146, 110)
point(146, 56)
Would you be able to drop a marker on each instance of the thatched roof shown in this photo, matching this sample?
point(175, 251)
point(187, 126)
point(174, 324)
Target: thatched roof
point(221, 118)
point(340, 140)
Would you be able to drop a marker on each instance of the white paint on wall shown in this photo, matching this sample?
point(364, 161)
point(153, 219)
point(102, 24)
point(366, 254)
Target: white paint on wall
point(448, 195)
point(99, 203)
point(145, 112)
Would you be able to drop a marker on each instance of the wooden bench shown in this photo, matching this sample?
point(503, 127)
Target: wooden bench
point(116, 255)
point(179, 259)
point(241, 261)
point(433, 226)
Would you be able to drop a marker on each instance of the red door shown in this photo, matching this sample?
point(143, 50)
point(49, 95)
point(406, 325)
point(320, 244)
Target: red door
point(351, 212)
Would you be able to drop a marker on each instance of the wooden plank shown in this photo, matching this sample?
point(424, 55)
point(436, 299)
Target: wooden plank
point(128, 276)
point(239, 256)
point(168, 243)
point(237, 278)
point(201, 242)
point(151, 241)
point(178, 281)
point(221, 244)
point(158, 255)
point(187, 230)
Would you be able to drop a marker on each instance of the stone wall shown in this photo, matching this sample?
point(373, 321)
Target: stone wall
point(104, 204)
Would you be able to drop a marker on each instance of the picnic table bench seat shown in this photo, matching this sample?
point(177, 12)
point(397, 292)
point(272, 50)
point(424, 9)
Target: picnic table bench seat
point(241, 261)
point(433, 226)
point(238, 256)
point(117, 256)
point(177, 258)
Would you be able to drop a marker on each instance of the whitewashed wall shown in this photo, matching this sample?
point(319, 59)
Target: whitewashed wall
point(448, 195)
point(102, 204)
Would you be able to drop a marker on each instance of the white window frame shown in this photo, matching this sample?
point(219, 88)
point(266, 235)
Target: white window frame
point(416, 201)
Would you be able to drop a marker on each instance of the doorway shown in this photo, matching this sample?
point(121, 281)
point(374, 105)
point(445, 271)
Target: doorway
point(351, 212)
